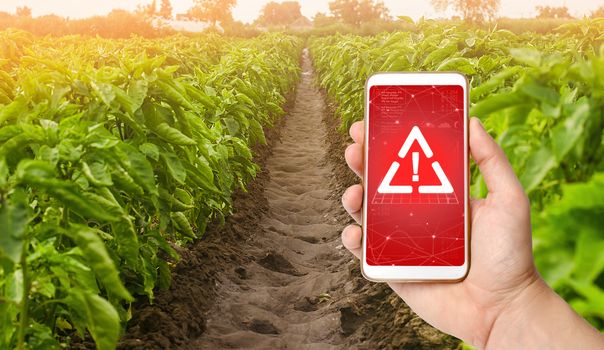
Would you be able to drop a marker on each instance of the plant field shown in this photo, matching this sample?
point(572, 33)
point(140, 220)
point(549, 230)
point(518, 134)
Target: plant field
point(541, 97)
point(111, 153)
point(118, 155)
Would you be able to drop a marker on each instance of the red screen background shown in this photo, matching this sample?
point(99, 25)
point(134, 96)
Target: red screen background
point(415, 229)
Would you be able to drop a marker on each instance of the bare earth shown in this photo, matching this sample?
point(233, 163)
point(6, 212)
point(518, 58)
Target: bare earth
point(282, 299)
point(276, 275)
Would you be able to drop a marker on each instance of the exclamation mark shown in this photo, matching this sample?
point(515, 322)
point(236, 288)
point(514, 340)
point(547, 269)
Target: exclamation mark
point(415, 159)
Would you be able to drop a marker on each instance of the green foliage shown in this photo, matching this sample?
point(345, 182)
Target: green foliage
point(112, 152)
point(540, 96)
point(569, 241)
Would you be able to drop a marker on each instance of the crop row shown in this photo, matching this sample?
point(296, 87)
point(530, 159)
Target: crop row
point(111, 152)
point(540, 96)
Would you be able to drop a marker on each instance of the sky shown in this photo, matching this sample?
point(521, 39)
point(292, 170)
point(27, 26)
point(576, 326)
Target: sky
point(248, 10)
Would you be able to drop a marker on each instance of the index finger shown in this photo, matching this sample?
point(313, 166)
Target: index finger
point(357, 132)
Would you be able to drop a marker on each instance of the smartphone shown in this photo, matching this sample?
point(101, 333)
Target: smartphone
point(415, 211)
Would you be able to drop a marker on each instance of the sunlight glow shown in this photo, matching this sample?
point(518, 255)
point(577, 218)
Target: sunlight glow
point(248, 10)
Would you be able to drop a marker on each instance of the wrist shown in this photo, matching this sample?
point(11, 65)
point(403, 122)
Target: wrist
point(519, 312)
point(537, 318)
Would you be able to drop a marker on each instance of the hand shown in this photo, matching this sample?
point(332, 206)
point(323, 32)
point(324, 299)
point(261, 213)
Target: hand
point(502, 277)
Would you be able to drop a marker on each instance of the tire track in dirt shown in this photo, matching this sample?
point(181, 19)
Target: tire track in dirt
point(289, 295)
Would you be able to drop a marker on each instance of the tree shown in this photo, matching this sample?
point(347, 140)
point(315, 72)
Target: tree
point(23, 11)
point(598, 13)
point(357, 11)
point(165, 9)
point(553, 12)
point(321, 20)
point(147, 10)
point(470, 10)
point(280, 14)
point(212, 10)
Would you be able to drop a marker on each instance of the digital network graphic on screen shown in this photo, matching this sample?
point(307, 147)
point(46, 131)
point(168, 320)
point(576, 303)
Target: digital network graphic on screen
point(415, 176)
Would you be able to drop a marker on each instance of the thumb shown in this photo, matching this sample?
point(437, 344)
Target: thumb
point(494, 166)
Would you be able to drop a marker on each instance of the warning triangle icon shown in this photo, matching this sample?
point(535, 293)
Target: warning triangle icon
point(445, 184)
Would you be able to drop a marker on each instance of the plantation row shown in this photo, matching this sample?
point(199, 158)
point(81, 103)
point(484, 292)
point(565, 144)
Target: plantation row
point(111, 152)
point(542, 97)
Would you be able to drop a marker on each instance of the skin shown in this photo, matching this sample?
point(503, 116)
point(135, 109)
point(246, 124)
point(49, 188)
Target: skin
point(503, 302)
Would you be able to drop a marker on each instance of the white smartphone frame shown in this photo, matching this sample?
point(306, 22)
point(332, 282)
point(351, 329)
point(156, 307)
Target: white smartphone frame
point(418, 273)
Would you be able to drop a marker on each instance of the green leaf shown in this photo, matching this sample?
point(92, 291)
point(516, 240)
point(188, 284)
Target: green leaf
point(97, 257)
point(69, 150)
point(140, 169)
point(182, 224)
point(180, 201)
point(163, 243)
point(137, 91)
point(458, 64)
point(527, 55)
point(127, 241)
point(257, 132)
point(104, 91)
point(164, 275)
point(201, 175)
point(594, 296)
point(201, 97)
point(3, 172)
point(173, 135)
point(149, 271)
point(439, 55)
point(540, 92)
point(589, 260)
point(124, 100)
point(12, 111)
point(99, 316)
point(497, 102)
point(566, 134)
point(588, 195)
point(183, 196)
point(210, 91)
point(175, 166)
point(97, 174)
point(232, 125)
point(124, 181)
point(150, 150)
point(174, 95)
point(537, 167)
point(40, 175)
point(100, 138)
point(14, 286)
point(14, 218)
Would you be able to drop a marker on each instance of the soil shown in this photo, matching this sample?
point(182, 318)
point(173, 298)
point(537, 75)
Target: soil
point(276, 276)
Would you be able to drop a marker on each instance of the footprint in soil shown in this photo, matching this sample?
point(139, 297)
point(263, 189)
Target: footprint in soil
point(261, 326)
point(242, 272)
point(306, 304)
point(276, 262)
point(310, 239)
point(349, 320)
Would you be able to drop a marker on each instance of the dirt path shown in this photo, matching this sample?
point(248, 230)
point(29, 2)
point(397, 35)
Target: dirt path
point(284, 298)
point(276, 276)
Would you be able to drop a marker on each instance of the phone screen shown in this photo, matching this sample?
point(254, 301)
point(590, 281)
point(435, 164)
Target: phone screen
point(415, 176)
